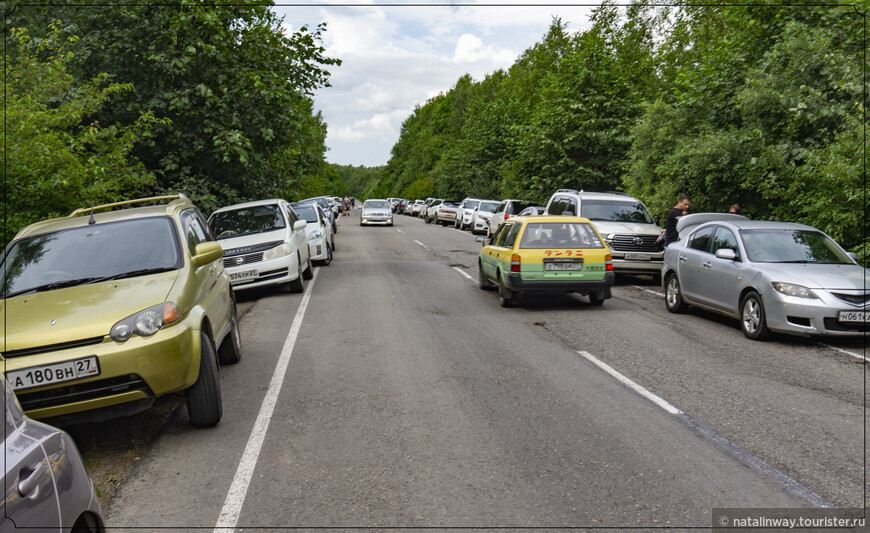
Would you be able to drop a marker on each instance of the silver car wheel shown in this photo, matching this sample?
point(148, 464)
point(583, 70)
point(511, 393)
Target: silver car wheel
point(751, 316)
point(673, 292)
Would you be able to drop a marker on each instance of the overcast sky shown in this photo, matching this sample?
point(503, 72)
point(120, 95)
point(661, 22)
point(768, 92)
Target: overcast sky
point(395, 57)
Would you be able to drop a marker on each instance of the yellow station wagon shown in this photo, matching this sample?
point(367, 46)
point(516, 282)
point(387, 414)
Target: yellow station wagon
point(546, 254)
point(106, 310)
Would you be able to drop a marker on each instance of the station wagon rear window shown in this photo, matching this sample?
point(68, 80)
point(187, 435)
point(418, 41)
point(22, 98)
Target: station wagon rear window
point(247, 220)
point(560, 235)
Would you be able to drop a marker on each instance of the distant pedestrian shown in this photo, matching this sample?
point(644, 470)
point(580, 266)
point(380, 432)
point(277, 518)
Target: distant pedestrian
point(670, 229)
point(344, 205)
point(735, 208)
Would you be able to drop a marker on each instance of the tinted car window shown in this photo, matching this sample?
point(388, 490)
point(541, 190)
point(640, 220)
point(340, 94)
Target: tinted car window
point(724, 238)
point(563, 205)
point(511, 238)
point(90, 253)
point(516, 207)
point(701, 239)
point(194, 230)
point(247, 220)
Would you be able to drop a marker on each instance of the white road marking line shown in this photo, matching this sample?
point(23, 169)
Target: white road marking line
point(400, 231)
point(464, 273)
point(631, 384)
point(737, 451)
point(423, 245)
point(847, 352)
point(232, 508)
point(649, 291)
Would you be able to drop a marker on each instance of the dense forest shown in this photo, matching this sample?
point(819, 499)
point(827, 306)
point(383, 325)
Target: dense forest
point(758, 105)
point(107, 103)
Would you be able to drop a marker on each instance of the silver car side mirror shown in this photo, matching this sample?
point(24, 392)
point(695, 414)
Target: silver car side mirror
point(726, 253)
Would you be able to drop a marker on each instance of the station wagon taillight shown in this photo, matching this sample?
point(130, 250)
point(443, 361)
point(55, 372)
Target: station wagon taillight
point(608, 263)
point(515, 263)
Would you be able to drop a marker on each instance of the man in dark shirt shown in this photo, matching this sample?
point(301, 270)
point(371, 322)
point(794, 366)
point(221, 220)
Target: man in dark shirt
point(677, 211)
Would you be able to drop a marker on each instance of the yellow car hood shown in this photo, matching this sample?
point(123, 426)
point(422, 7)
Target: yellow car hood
point(77, 313)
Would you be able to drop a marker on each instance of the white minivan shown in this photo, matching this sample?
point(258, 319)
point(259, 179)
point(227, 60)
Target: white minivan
point(264, 243)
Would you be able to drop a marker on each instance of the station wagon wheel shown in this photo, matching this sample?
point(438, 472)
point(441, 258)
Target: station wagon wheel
point(506, 297)
point(204, 405)
point(752, 318)
point(230, 351)
point(673, 297)
point(482, 281)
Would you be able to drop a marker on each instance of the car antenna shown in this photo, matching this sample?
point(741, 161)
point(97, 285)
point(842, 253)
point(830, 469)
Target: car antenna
point(92, 219)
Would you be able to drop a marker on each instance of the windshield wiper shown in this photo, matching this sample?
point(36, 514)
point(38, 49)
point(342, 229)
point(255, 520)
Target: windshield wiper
point(52, 286)
point(86, 281)
point(797, 261)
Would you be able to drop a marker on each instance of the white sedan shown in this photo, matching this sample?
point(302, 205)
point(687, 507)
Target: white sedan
point(376, 212)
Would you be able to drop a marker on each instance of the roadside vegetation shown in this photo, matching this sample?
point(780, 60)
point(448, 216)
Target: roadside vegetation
point(756, 105)
point(110, 103)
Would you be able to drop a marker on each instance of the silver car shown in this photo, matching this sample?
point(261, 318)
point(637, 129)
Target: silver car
point(321, 241)
point(772, 276)
point(46, 483)
point(376, 212)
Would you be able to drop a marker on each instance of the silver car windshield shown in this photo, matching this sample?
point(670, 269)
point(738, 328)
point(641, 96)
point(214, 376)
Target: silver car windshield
point(616, 211)
point(792, 246)
point(560, 235)
point(377, 204)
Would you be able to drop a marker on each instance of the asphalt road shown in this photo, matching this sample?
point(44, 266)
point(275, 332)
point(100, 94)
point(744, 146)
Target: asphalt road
point(411, 399)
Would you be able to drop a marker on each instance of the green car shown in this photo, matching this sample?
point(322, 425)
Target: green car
point(105, 310)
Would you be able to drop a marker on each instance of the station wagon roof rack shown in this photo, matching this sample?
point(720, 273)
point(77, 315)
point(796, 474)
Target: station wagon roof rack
point(87, 210)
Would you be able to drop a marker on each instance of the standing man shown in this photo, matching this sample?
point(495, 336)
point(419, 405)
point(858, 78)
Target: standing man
point(677, 211)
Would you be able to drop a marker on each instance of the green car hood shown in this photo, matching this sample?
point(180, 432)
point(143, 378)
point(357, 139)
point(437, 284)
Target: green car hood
point(77, 313)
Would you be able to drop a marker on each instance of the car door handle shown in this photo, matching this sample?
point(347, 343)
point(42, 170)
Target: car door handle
point(29, 479)
point(707, 264)
point(683, 259)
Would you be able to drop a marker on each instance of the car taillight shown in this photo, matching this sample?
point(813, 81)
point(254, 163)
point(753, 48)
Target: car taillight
point(608, 263)
point(515, 263)
point(506, 216)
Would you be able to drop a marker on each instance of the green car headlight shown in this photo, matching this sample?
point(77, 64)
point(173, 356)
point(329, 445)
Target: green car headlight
point(279, 251)
point(790, 289)
point(145, 323)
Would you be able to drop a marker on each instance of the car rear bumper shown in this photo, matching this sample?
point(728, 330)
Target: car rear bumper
point(516, 283)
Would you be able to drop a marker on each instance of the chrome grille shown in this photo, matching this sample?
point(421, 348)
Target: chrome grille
point(239, 260)
point(635, 243)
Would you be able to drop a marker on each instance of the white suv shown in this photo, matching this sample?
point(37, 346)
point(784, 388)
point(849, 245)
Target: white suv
point(264, 243)
point(624, 222)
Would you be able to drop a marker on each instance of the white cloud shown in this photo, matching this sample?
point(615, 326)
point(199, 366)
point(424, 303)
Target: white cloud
point(396, 57)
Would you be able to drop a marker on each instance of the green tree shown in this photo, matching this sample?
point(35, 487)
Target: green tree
point(58, 157)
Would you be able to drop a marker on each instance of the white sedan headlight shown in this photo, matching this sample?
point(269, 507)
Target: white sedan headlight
point(315, 234)
point(790, 289)
point(281, 250)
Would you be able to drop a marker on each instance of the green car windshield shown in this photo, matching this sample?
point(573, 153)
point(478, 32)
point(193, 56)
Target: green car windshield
point(90, 254)
point(792, 246)
point(246, 220)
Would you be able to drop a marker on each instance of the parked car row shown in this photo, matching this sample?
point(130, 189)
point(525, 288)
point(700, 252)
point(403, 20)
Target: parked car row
point(771, 276)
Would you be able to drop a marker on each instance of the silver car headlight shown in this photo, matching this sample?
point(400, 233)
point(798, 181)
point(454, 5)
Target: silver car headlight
point(146, 322)
point(790, 289)
point(281, 250)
